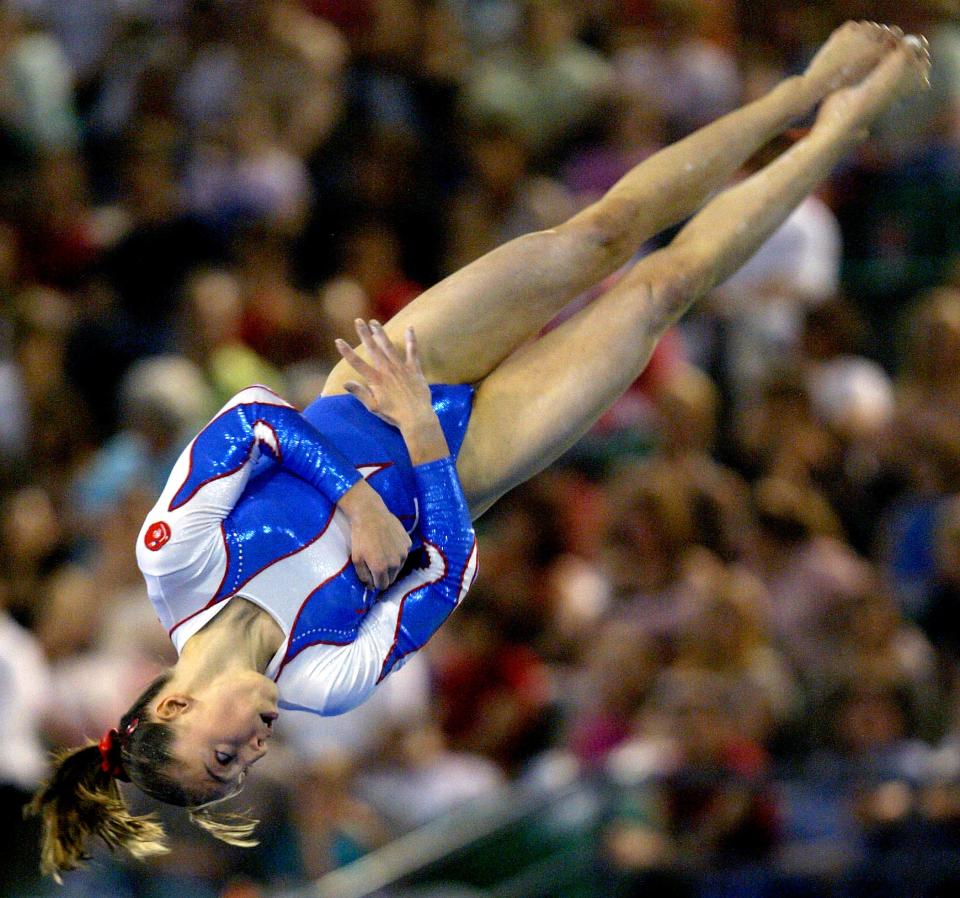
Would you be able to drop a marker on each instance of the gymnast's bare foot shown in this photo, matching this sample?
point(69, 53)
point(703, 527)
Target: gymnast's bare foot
point(904, 70)
point(850, 53)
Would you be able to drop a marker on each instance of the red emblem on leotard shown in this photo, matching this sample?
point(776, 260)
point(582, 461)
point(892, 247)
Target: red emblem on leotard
point(157, 535)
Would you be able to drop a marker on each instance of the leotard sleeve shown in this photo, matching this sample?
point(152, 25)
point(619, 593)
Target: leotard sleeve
point(213, 470)
point(333, 679)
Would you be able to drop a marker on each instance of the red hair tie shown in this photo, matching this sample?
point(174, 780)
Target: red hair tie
point(111, 749)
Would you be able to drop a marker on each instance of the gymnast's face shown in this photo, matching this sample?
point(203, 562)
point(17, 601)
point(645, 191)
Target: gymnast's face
point(220, 731)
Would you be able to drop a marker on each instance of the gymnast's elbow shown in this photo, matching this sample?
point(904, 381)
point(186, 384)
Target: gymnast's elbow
point(330, 680)
point(454, 539)
point(339, 701)
point(327, 702)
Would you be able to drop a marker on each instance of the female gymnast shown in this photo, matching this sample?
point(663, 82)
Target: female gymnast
point(247, 553)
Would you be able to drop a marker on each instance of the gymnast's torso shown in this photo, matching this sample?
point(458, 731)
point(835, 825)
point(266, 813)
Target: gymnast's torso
point(250, 510)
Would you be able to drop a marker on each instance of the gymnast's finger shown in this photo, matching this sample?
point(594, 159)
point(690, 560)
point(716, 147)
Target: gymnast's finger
point(359, 391)
point(352, 359)
point(392, 572)
point(378, 579)
point(365, 334)
point(392, 575)
point(385, 343)
point(413, 350)
point(363, 572)
point(375, 342)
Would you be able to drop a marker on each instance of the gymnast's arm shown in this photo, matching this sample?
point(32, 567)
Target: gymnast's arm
point(330, 679)
point(213, 471)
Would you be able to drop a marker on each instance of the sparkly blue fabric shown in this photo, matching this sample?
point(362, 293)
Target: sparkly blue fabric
point(225, 445)
point(369, 442)
point(279, 512)
point(447, 529)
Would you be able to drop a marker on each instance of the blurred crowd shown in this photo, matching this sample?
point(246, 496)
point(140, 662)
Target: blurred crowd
point(735, 598)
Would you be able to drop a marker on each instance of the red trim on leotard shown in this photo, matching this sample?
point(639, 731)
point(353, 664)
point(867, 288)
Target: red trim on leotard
point(213, 601)
point(403, 600)
point(293, 628)
point(276, 439)
point(193, 446)
point(466, 566)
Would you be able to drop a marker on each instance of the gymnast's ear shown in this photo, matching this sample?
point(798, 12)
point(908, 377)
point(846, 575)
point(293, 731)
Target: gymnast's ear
point(171, 706)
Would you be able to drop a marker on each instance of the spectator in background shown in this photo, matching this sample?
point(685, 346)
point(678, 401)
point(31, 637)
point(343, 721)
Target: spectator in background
point(36, 85)
point(797, 552)
point(34, 542)
point(864, 745)
point(544, 86)
point(880, 647)
point(278, 321)
point(492, 690)
point(416, 776)
point(631, 129)
point(923, 439)
point(163, 398)
point(523, 544)
point(48, 417)
point(929, 380)
point(732, 636)
point(372, 261)
point(709, 803)
point(133, 307)
point(502, 198)
point(88, 31)
point(24, 694)
point(213, 320)
point(245, 172)
point(649, 530)
point(853, 398)
point(63, 242)
point(162, 242)
point(272, 53)
point(941, 622)
point(614, 681)
point(335, 825)
point(687, 407)
point(687, 77)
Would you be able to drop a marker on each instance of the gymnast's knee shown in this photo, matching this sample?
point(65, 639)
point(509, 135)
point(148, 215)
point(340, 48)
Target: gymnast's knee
point(679, 279)
point(606, 226)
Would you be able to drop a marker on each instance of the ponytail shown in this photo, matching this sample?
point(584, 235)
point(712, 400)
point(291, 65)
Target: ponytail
point(82, 799)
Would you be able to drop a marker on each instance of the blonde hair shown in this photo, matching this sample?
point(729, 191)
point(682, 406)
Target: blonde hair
point(81, 799)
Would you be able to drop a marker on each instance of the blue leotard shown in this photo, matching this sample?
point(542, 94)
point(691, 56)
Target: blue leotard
point(250, 510)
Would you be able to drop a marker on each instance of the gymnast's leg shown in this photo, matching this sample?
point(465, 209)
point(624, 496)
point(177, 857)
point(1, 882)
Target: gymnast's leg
point(545, 396)
point(471, 321)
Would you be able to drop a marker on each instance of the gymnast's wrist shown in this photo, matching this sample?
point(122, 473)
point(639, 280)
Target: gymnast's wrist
point(360, 499)
point(424, 438)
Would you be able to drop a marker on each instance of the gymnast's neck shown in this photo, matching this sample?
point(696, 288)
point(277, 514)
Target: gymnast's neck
point(240, 638)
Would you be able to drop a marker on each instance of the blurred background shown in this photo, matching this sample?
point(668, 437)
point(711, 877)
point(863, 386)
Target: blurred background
point(712, 652)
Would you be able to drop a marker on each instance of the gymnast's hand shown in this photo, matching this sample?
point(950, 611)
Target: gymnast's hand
point(395, 389)
point(379, 543)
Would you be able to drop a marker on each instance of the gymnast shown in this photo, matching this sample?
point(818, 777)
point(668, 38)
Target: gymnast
point(297, 559)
